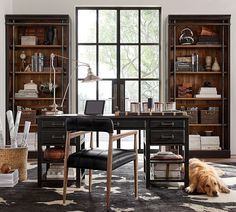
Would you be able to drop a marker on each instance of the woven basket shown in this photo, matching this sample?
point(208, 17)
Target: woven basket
point(16, 158)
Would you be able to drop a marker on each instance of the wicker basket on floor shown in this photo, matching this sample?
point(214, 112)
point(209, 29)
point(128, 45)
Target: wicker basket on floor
point(16, 158)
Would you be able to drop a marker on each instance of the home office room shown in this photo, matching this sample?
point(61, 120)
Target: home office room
point(117, 106)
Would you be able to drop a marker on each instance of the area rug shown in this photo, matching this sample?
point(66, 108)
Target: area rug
point(26, 196)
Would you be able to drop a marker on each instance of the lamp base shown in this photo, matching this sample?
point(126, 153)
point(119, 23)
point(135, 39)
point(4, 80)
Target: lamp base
point(51, 113)
point(54, 110)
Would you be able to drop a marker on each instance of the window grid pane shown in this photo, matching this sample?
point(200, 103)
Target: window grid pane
point(86, 29)
point(107, 26)
point(129, 26)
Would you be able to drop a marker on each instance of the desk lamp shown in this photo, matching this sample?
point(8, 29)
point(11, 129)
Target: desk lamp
point(89, 78)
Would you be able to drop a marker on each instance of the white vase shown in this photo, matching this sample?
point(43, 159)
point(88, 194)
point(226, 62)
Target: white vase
point(215, 66)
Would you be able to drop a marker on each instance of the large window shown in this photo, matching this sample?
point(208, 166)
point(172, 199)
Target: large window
point(122, 46)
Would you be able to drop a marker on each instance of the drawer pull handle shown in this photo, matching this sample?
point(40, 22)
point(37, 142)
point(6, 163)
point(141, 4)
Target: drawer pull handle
point(167, 124)
point(58, 137)
point(167, 136)
point(117, 124)
point(55, 124)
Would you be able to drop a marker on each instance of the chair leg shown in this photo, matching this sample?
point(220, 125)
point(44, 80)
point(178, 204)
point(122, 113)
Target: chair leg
point(109, 174)
point(136, 178)
point(65, 184)
point(90, 179)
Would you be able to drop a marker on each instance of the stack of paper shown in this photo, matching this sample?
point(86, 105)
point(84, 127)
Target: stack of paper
point(210, 143)
point(194, 142)
point(208, 92)
point(9, 179)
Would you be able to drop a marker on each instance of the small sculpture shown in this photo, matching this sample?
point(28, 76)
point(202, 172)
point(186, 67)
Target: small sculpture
point(208, 62)
point(186, 36)
point(23, 57)
point(6, 168)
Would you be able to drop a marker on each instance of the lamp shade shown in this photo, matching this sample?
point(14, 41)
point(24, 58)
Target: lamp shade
point(91, 77)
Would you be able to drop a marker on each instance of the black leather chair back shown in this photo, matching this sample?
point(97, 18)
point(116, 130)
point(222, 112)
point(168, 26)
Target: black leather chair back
point(89, 123)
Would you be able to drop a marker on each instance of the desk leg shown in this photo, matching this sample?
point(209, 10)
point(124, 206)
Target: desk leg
point(39, 165)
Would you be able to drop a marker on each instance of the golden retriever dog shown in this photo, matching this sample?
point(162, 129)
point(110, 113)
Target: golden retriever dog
point(205, 179)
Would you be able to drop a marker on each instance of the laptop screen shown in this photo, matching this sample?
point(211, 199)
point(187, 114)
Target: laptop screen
point(94, 107)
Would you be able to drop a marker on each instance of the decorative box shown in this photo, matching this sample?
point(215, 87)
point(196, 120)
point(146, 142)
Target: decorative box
point(31, 86)
point(29, 40)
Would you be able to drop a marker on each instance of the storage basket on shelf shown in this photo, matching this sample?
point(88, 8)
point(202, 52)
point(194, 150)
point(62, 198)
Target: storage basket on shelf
point(28, 115)
point(193, 116)
point(209, 116)
point(16, 158)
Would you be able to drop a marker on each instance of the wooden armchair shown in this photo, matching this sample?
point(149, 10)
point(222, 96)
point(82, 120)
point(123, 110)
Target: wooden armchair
point(94, 158)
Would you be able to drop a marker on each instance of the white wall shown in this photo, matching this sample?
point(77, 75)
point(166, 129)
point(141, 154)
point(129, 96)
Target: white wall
point(6, 7)
point(168, 7)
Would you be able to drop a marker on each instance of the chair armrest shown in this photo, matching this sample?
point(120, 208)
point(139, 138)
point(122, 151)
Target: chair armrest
point(123, 135)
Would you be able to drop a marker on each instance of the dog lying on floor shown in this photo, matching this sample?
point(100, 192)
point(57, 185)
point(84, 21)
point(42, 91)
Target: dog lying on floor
point(204, 178)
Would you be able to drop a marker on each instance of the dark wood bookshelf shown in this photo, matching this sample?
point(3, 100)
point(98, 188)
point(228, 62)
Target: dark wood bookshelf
point(197, 75)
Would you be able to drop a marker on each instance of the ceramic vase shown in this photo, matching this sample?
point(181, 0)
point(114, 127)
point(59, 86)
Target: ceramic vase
point(215, 66)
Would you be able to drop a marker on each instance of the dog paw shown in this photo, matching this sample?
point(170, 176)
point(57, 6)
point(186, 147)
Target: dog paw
point(189, 189)
point(225, 190)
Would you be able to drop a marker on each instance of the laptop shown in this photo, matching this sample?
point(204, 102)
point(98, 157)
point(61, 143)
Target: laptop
point(94, 107)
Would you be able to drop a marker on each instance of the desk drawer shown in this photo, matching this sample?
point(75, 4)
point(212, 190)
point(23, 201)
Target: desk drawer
point(52, 137)
point(167, 137)
point(129, 124)
point(53, 124)
point(167, 123)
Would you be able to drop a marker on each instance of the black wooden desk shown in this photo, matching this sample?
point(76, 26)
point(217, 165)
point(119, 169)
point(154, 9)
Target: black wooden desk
point(158, 131)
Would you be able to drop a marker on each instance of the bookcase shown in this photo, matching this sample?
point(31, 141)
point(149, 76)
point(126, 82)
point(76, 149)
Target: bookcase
point(30, 40)
point(199, 79)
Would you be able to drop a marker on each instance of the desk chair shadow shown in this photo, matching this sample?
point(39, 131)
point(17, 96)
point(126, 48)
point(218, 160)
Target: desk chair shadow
point(97, 159)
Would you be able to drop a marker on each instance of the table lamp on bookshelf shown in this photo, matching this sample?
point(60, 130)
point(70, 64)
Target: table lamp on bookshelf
point(89, 78)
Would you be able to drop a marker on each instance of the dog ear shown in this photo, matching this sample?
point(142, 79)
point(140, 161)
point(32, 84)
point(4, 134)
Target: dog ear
point(202, 183)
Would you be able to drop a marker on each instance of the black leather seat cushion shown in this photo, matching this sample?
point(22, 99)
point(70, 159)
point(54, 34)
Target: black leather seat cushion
point(96, 159)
